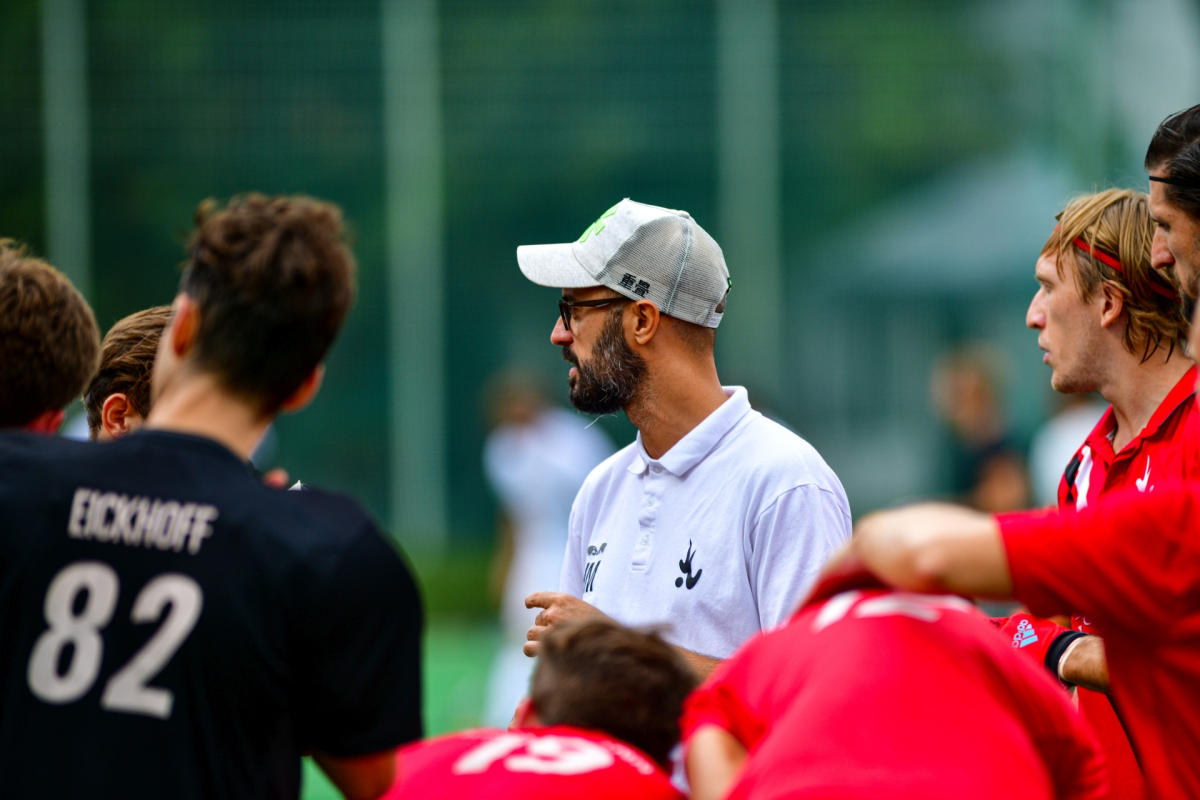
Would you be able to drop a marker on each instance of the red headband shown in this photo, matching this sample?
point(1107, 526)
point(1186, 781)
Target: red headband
point(1105, 258)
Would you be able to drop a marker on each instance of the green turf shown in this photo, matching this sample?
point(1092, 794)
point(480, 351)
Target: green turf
point(458, 654)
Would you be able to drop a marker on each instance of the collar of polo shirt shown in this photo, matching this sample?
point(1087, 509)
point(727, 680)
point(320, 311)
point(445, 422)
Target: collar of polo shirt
point(699, 441)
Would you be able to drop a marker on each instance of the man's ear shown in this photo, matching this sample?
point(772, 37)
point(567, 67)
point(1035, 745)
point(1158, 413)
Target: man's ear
point(526, 716)
point(117, 416)
point(1112, 305)
point(305, 392)
point(646, 318)
point(184, 325)
point(46, 423)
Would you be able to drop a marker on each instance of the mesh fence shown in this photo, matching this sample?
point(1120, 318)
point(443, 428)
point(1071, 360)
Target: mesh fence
point(552, 111)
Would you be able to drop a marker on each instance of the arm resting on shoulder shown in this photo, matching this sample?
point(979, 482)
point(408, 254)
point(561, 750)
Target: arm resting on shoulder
point(1084, 664)
point(935, 548)
point(359, 777)
point(713, 760)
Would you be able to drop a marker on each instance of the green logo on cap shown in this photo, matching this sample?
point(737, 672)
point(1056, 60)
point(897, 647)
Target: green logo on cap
point(598, 225)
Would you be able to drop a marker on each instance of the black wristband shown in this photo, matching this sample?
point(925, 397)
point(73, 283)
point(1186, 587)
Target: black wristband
point(1059, 646)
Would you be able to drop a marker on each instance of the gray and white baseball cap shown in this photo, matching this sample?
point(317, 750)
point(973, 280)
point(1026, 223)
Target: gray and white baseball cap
point(643, 252)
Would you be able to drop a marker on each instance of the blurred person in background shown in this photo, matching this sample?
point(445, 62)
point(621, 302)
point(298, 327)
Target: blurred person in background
point(535, 459)
point(177, 628)
point(715, 519)
point(601, 721)
point(1110, 323)
point(871, 693)
point(49, 342)
point(987, 470)
point(117, 400)
point(1057, 440)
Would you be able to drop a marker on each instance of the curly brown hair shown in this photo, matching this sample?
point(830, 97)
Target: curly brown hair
point(601, 675)
point(273, 280)
point(1116, 222)
point(49, 341)
point(126, 361)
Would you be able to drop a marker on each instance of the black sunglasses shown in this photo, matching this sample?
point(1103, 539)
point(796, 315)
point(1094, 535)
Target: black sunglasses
point(565, 306)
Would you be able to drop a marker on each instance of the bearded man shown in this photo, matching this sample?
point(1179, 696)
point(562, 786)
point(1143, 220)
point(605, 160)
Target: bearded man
point(715, 521)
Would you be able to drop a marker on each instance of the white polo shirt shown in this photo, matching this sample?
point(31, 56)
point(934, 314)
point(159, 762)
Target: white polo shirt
point(717, 540)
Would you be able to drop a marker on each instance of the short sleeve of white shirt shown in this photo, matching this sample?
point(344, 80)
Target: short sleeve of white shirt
point(803, 528)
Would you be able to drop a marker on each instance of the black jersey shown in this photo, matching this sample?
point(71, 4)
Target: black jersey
point(171, 628)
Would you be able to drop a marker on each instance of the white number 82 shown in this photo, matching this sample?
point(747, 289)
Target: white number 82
point(127, 690)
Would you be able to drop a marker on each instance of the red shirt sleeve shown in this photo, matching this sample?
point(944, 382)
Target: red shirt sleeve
point(1125, 562)
point(722, 701)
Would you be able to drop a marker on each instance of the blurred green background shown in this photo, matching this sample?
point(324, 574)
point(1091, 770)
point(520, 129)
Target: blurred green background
point(881, 174)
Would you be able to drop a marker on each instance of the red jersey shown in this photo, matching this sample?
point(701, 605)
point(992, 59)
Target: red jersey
point(1131, 565)
point(1166, 450)
point(542, 763)
point(888, 694)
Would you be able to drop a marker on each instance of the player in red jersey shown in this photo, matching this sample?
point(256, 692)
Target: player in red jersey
point(601, 721)
point(1110, 323)
point(1130, 564)
point(867, 693)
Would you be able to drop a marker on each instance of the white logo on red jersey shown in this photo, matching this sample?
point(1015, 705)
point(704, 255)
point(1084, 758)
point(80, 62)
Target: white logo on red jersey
point(1083, 479)
point(1142, 481)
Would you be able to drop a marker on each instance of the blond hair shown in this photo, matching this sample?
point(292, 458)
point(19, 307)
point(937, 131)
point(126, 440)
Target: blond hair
point(1116, 223)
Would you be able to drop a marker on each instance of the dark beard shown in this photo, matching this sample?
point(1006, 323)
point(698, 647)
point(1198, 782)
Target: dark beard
point(1188, 301)
point(610, 379)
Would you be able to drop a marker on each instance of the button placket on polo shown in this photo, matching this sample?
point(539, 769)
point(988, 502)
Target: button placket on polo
point(652, 484)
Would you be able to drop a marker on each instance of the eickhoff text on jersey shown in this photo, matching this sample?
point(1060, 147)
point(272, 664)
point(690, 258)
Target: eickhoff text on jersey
point(140, 521)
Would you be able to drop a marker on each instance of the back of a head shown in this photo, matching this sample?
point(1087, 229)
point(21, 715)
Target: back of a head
point(601, 675)
point(1175, 148)
point(273, 280)
point(49, 341)
point(126, 361)
point(1115, 225)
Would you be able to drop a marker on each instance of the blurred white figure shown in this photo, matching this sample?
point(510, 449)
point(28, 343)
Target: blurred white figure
point(1056, 441)
point(535, 459)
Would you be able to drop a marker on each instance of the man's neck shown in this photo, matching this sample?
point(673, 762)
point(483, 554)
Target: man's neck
point(1138, 391)
point(673, 402)
point(196, 404)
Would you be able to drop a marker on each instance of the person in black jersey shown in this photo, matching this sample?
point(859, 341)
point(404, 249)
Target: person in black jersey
point(170, 626)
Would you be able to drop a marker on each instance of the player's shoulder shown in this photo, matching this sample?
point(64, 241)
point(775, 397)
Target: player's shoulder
point(23, 454)
point(340, 513)
point(778, 457)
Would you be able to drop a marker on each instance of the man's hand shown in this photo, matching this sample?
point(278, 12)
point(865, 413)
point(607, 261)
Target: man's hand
point(558, 608)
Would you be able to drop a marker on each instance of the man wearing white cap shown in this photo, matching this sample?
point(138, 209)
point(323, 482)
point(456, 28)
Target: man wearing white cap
point(716, 520)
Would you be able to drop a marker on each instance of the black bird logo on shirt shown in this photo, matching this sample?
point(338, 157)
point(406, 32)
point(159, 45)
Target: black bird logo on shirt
point(685, 566)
